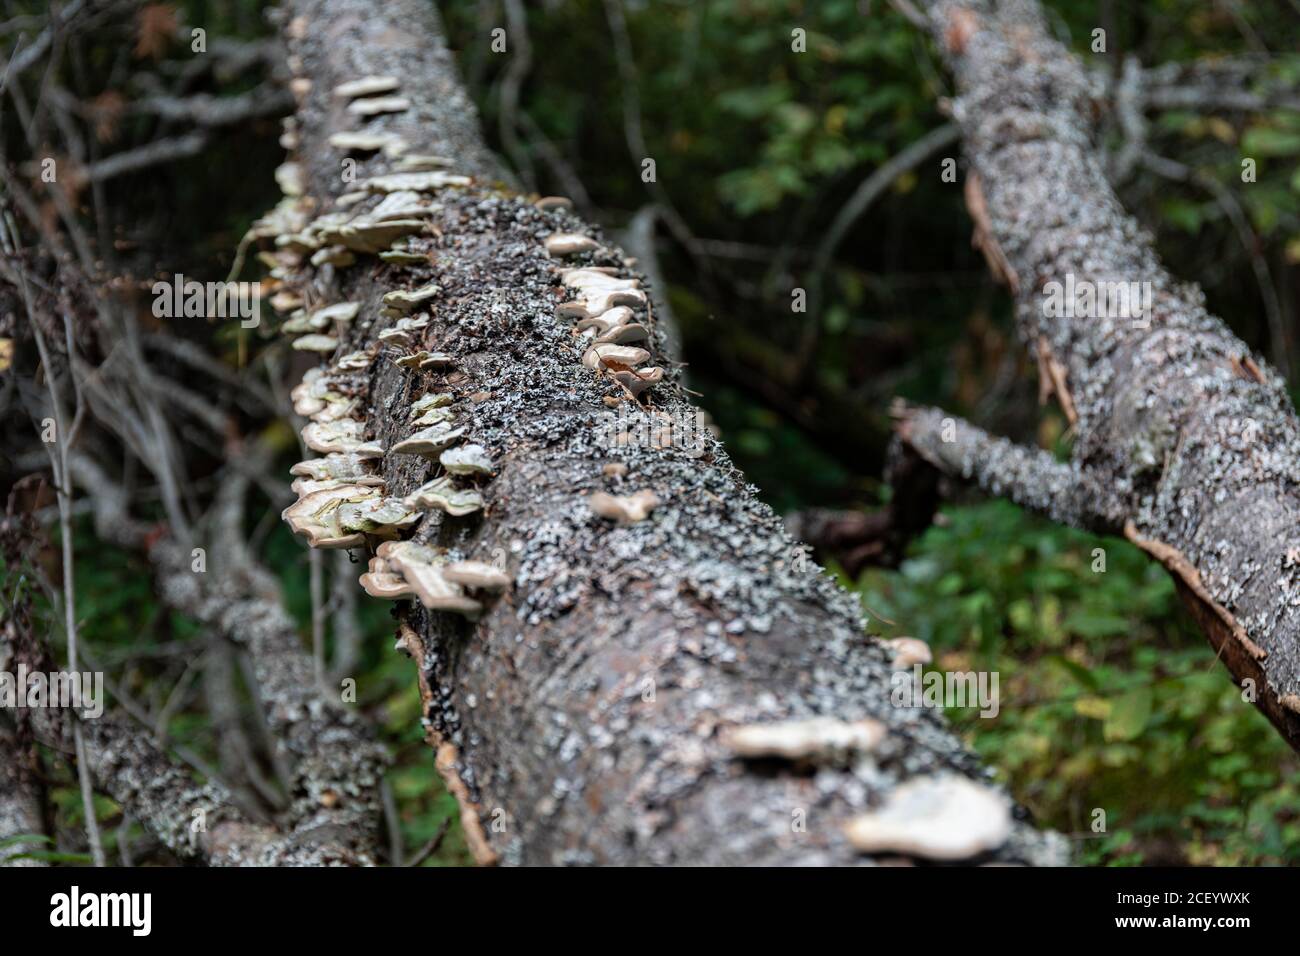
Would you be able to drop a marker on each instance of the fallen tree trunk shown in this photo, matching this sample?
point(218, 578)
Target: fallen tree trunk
point(1185, 443)
point(583, 717)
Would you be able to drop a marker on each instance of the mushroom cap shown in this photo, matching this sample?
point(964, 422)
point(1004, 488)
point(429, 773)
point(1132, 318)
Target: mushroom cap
point(429, 401)
point(909, 651)
point(382, 584)
point(437, 360)
point(614, 356)
point(477, 574)
point(939, 817)
point(596, 280)
point(343, 435)
point(373, 106)
point(402, 204)
point(466, 460)
point(606, 300)
point(412, 359)
point(569, 244)
point(334, 255)
point(316, 343)
point(605, 321)
point(422, 569)
point(317, 516)
point(625, 509)
point(390, 143)
point(554, 202)
point(369, 236)
point(624, 334)
point(433, 416)
point(430, 442)
point(421, 162)
point(404, 300)
point(366, 86)
point(385, 517)
point(357, 361)
point(440, 493)
point(637, 380)
point(428, 181)
point(818, 737)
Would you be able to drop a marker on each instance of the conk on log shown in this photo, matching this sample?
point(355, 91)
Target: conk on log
point(591, 710)
point(1185, 443)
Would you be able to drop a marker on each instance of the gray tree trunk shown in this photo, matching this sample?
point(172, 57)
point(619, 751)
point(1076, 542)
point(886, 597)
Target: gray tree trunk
point(581, 719)
point(1184, 442)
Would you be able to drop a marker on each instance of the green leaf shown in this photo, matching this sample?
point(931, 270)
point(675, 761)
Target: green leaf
point(1128, 716)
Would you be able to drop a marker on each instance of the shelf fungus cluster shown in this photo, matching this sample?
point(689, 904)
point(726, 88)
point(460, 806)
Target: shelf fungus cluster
point(343, 501)
point(613, 342)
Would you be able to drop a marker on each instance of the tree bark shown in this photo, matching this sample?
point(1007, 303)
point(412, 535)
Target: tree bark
point(580, 720)
point(1184, 442)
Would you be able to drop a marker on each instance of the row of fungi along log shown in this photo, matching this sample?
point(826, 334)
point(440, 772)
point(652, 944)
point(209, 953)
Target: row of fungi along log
point(548, 571)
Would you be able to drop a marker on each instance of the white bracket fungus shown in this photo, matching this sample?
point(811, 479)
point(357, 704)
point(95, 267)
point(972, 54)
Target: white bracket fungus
point(422, 569)
point(625, 509)
point(440, 493)
point(466, 460)
point(909, 651)
point(569, 244)
point(316, 516)
point(820, 738)
point(943, 817)
point(478, 575)
point(373, 106)
point(316, 343)
point(430, 442)
point(404, 300)
point(366, 86)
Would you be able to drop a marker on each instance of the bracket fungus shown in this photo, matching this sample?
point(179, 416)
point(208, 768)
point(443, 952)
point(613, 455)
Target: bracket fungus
point(466, 460)
point(441, 494)
point(819, 738)
point(625, 509)
point(366, 86)
point(614, 356)
point(391, 144)
point(382, 517)
point(430, 442)
point(357, 361)
point(478, 575)
point(411, 359)
point(429, 401)
point(408, 300)
point(422, 569)
point(553, 202)
point(637, 380)
point(316, 343)
point(344, 435)
point(317, 516)
point(373, 106)
point(428, 181)
point(570, 244)
point(381, 582)
point(338, 466)
point(941, 817)
point(909, 651)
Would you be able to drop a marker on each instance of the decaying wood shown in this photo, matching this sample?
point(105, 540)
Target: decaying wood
point(586, 706)
point(1184, 441)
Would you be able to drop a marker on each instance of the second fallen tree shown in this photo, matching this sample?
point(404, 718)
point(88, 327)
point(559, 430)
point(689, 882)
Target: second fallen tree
point(1184, 442)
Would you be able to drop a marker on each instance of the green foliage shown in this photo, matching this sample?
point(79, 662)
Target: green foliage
point(1110, 697)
